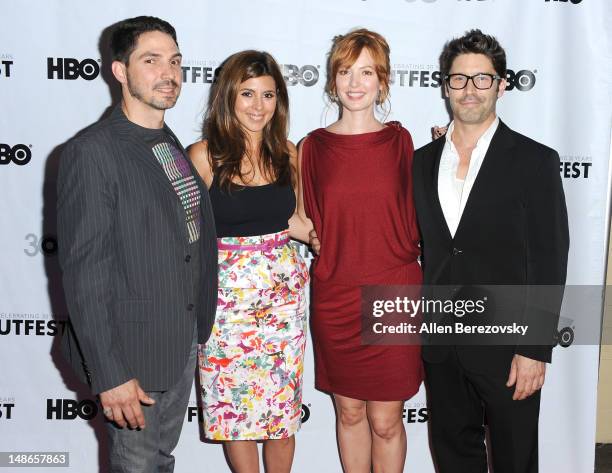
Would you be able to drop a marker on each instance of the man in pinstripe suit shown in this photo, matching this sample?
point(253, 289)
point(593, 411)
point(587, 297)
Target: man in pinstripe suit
point(138, 253)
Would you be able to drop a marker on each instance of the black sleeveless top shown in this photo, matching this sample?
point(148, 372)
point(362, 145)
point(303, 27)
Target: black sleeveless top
point(251, 210)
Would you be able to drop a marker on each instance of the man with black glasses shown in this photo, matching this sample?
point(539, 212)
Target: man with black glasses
point(491, 211)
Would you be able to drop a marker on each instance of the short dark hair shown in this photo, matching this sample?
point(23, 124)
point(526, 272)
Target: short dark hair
point(125, 34)
point(474, 41)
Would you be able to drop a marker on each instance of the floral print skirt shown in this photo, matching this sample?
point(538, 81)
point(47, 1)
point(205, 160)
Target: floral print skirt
point(251, 367)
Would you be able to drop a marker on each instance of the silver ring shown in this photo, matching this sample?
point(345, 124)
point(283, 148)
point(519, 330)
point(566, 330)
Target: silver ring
point(107, 411)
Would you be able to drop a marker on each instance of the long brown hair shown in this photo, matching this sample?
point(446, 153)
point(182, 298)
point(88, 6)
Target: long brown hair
point(226, 138)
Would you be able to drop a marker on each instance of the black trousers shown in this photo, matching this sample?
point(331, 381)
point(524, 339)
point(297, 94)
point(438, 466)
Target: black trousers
point(459, 401)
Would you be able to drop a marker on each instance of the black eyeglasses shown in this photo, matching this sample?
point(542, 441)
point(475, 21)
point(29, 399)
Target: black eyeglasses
point(482, 80)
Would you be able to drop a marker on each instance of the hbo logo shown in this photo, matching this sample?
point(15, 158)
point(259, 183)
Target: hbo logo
point(305, 75)
point(68, 68)
point(69, 409)
point(19, 154)
point(523, 80)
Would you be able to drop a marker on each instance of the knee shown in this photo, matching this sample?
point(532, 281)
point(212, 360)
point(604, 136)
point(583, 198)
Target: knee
point(351, 416)
point(386, 428)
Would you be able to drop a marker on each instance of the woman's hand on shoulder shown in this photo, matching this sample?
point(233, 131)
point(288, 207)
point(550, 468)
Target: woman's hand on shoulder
point(198, 153)
point(438, 131)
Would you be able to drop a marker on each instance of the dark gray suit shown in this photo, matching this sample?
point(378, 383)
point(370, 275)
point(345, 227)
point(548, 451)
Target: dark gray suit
point(127, 264)
point(513, 232)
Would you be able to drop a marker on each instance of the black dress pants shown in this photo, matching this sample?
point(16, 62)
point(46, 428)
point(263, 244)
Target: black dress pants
point(458, 402)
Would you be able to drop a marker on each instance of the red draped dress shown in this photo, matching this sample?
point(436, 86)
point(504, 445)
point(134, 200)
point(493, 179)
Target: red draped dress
point(358, 194)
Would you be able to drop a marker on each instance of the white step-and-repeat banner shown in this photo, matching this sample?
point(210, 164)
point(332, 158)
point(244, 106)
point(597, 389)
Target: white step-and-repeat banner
point(54, 81)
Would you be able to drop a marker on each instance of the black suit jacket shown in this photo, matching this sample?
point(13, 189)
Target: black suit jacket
point(126, 261)
point(513, 231)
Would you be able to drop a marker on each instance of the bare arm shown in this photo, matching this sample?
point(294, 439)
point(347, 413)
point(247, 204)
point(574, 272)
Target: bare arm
point(198, 153)
point(300, 225)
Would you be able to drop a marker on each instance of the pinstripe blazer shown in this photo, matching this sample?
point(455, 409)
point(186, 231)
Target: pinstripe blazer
point(124, 253)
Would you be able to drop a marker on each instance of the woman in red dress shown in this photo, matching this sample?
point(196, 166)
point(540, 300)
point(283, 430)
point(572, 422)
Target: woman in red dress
point(358, 194)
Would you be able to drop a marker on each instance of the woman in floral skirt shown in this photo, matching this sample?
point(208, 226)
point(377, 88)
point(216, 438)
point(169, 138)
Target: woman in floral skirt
point(251, 367)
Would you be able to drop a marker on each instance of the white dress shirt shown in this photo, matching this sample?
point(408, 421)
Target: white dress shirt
point(453, 192)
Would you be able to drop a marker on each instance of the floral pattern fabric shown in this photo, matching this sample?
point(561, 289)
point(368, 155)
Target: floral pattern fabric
point(251, 367)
